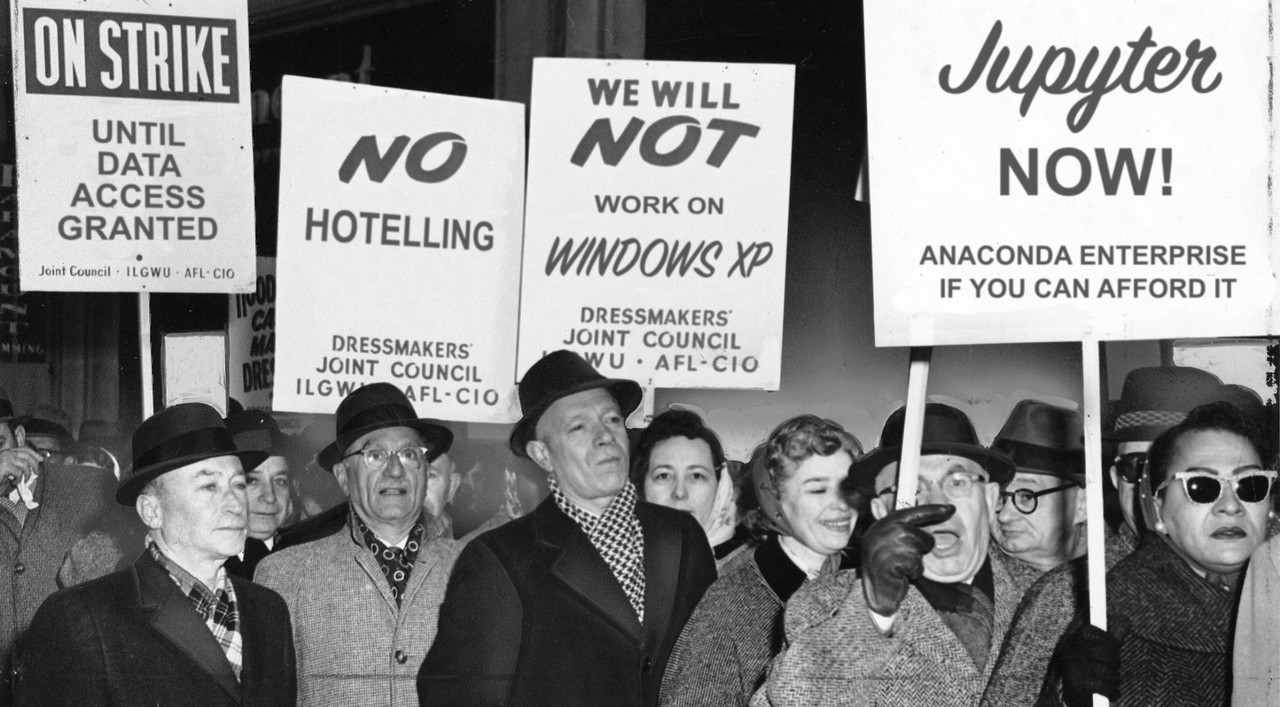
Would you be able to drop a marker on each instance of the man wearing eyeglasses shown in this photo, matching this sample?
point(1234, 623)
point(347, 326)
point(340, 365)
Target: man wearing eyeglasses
point(365, 600)
point(925, 621)
point(1040, 518)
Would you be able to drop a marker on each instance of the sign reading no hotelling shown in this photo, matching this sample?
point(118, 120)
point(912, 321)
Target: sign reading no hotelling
point(1045, 172)
point(399, 248)
point(133, 146)
point(655, 240)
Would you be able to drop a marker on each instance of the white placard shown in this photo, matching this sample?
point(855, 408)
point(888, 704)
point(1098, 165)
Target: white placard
point(1092, 169)
point(656, 232)
point(399, 248)
point(251, 340)
point(135, 164)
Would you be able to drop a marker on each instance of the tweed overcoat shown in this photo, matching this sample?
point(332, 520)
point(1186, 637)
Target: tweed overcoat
point(355, 646)
point(74, 500)
point(1043, 616)
point(1174, 629)
point(534, 616)
point(723, 653)
point(837, 656)
point(133, 638)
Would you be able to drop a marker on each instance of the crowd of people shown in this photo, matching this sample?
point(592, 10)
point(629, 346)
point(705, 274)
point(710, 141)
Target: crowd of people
point(655, 571)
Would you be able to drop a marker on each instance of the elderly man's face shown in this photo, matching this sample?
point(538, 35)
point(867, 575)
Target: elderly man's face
point(390, 497)
point(200, 511)
point(442, 483)
point(961, 540)
point(582, 439)
point(1125, 490)
point(1052, 533)
point(270, 498)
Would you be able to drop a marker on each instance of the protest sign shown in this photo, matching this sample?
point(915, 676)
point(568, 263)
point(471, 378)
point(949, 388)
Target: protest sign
point(399, 248)
point(251, 340)
point(135, 170)
point(656, 232)
point(1061, 172)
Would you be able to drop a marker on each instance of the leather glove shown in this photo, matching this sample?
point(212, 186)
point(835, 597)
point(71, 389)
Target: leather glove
point(893, 551)
point(1088, 659)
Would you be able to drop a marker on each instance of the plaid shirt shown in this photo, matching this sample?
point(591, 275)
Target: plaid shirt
point(219, 609)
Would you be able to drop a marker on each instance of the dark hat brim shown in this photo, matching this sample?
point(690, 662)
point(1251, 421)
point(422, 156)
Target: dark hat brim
point(438, 437)
point(997, 464)
point(628, 393)
point(131, 486)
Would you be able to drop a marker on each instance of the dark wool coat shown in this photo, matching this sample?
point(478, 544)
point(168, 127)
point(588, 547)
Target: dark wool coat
point(533, 615)
point(74, 500)
point(724, 652)
point(133, 638)
point(1044, 615)
point(1175, 630)
point(837, 656)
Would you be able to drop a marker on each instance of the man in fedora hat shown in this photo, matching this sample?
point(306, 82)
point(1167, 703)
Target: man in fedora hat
point(1040, 519)
point(47, 509)
point(365, 599)
point(174, 628)
point(924, 622)
point(580, 601)
point(269, 485)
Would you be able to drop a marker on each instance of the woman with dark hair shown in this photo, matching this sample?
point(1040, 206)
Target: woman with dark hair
point(724, 652)
point(678, 462)
point(1170, 604)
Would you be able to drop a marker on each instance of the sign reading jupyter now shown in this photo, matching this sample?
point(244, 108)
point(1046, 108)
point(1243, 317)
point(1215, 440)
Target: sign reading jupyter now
point(656, 233)
point(399, 248)
point(1092, 170)
point(135, 169)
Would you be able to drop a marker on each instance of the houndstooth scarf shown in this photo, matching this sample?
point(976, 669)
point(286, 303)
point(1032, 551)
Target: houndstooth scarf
point(616, 535)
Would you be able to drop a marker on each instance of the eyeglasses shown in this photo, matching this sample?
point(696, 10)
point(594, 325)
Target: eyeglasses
point(1204, 487)
point(955, 486)
point(1131, 465)
point(410, 457)
point(1026, 500)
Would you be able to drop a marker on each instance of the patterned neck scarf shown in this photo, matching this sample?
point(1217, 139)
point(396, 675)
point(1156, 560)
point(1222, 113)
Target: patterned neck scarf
point(218, 606)
point(396, 563)
point(616, 535)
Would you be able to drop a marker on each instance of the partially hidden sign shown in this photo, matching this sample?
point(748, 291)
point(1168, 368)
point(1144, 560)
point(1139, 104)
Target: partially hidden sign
point(135, 164)
point(1044, 172)
point(656, 230)
point(251, 340)
point(399, 248)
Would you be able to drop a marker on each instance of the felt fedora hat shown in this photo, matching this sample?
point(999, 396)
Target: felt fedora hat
point(374, 407)
point(175, 437)
point(1156, 398)
point(258, 431)
point(946, 431)
point(1044, 439)
point(557, 375)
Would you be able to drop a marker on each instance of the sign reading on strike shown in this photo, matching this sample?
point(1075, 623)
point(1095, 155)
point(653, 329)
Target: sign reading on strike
point(656, 233)
point(399, 248)
point(1061, 172)
point(251, 340)
point(135, 165)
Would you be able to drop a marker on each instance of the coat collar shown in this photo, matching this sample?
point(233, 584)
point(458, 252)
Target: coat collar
point(778, 571)
point(170, 613)
point(583, 574)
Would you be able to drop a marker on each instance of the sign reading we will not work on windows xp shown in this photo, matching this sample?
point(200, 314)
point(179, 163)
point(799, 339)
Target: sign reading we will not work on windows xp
point(1095, 170)
point(134, 146)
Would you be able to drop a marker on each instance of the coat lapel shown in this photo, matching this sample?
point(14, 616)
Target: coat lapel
point(583, 574)
point(663, 556)
point(931, 637)
point(172, 615)
point(422, 567)
point(370, 565)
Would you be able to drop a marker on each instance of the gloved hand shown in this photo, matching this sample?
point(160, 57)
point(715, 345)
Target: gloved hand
point(893, 551)
point(1088, 659)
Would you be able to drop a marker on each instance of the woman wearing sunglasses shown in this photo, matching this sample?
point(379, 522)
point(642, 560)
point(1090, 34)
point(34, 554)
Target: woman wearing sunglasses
point(1170, 604)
